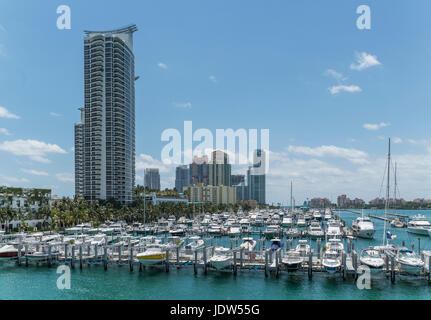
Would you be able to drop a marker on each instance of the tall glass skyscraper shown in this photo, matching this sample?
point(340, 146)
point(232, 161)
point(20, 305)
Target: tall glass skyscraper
point(107, 129)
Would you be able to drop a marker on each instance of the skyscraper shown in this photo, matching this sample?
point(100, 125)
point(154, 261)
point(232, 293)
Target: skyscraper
point(220, 169)
point(79, 156)
point(108, 139)
point(182, 178)
point(256, 178)
point(199, 171)
point(237, 179)
point(152, 179)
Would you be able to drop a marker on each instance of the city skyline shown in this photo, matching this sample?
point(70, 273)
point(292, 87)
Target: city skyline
point(330, 95)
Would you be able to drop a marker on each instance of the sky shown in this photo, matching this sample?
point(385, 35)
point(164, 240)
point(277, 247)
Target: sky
point(329, 93)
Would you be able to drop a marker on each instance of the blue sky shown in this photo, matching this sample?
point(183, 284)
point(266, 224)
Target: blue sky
point(231, 64)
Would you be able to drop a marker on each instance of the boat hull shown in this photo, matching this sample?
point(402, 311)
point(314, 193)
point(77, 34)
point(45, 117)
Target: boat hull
point(418, 231)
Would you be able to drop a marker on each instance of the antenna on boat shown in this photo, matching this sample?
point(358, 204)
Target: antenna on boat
point(387, 191)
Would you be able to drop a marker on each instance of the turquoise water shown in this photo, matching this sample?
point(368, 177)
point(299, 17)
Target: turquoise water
point(92, 282)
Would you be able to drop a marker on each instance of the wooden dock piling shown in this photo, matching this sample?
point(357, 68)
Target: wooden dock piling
point(310, 265)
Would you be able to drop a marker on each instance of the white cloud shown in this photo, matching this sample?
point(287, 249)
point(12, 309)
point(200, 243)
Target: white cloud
point(35, 172)
point(65, 177)
point(212, 79)
point(54, 114)
point(34, 149)
point(364, 61)
point(5, 131)
point(145, 161)
point(14, 179)
point(339, 88)
point(162, 65)
point(397, 140)
point(352, 155)
point(375, 126)
point(4, 113)
point(336, 75)
point(185, 105)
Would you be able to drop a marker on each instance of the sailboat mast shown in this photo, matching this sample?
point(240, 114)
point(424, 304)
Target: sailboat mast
point(291, 198)
point(387, 190)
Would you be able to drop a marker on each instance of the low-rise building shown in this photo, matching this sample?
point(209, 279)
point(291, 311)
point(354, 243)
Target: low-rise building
point(212, 194)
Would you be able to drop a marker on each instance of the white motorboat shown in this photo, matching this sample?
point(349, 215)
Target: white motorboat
point(292, 233)
point(248, 244)
point(303, 248)
point(194, 244)
point(221, 259)
point(315, 230)
point(301, 221)
point(419, 225)
point(328, 214)
point(174, 242)
point(98, 239)
point(409, 261)
point(234, 231)
point(363, 227)
point(317, 215)
point(331, 261)
point(154, 254)
point(373, 259)
point(333, 229)
point(287, 222)
point(292, 260)
point(271, 231)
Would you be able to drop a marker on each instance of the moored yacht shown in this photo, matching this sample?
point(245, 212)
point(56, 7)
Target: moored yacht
point(221, 259)
point(409, 261)
point(363, 227)
point(154, 254)
point(315, 230)
point(373, 259)
point(419, 225)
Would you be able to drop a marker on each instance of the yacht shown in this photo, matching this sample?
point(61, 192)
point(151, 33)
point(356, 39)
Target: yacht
point(234, 231)
point(287, 222)
point(409, 261)
point(419, 225)
point(215, 230)
point(9, 252)
point(154, 254)
point(333, 255)
point(301, 221)
point(221, 259)
point(315, 230)
point(373, 259)
point(292, 260)
point(194, 244)
point(328, 214)
point(317, 215)
point(245, 225)
point(271, 231)
point(363, 227)
point(333, 229)
point(98, 239)
point(174, 242)
point(292, 233)
point(248, 244)
point(303, 248)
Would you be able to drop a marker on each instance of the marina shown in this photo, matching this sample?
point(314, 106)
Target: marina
point(117, 246)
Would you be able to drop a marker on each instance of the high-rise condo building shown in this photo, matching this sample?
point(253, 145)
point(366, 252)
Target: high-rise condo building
point(199, 171)
point(106, 134)
point(152, 179)
point(256, 177)
point(220, 169)
point(182, 178)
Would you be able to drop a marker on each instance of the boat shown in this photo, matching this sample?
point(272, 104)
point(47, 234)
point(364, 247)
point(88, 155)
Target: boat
point(234, 231)
point(317, 215)
point(331, 261)
point(332, 255)
point(333, 229)
point(271, 231)
point(214, 229)
point(154, 254)
point(409, 262)
point(98, 239)
point(328, 214)
point(292, 233)
point(9, 252)
point(363, 227)
point(221, 259)
point(301, 221)
point(292, 260)
point(287, 222)
point(398, 223)
point(194, 244)
point(174, 242)
point(248, 244)
point(373, 259)
point(303, 248)
point(419, 225)
point(315, 230)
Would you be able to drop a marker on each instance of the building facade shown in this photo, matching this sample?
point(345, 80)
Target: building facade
point(220, 169)
point(237, 179)
point(199, 171)
point(152, 179)
point(182, 178)
point(108, 123)
point(212, 194)
point(256, 178)
point(79, 155)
